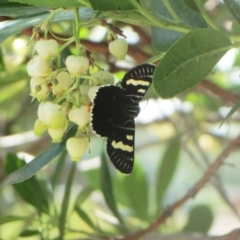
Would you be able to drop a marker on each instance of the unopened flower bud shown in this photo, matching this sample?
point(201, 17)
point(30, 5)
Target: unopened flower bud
point(91, 92)
point(58, 119)
point(76, 147)
point(46, 48)
point(39, 127)
point(64, 81)
point(38, 67)
point(56, 134)
point(105, 77)
point(80, 116)
point(118, 48)
point(77, 65)
point(45, 111)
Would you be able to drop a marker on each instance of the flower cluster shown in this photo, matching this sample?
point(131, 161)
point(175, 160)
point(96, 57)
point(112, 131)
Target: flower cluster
point(65, 95)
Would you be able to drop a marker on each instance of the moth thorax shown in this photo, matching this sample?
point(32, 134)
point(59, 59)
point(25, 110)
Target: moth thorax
point(131, 110)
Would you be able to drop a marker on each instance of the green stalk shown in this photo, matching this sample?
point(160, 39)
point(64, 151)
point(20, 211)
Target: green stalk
point(171, 11)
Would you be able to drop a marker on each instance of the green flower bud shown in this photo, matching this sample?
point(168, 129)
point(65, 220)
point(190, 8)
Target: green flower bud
point(39, 127)
point(58, 119)
point(56, 134)
point(76, 147)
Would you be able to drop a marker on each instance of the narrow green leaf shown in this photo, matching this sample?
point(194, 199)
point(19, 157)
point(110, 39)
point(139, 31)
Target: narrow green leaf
point(200, 219)
point(82, 214)
point(29, 233)
point(107, 188)
point(166, 169)
point(111, 5)
point(40, 161)
point(162, 39)
point(65, 202)
point(83, 195)
point(189, 60)
point(8, 219)
point(52, 3)
point(135, 189)
point(31, 190)
point(231, 112)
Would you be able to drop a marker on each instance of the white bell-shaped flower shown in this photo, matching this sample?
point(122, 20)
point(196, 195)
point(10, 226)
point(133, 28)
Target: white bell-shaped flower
point(105, 77)
point(45, 111)
point(77, 65)
point(46, 48)
point(118, 48)
point(92, 91)
point(38, 67)
point(64, 81)
point(80, 116)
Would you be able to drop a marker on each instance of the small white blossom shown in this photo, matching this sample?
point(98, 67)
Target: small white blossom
point(105, 77)
point(92, 91)
point(80, 116)
point(46, 48)
point(77, 65)
point(45, 111)
point(38, 67)
point(118, 48)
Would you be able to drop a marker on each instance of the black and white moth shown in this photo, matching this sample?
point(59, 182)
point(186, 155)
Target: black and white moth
point(113, 111)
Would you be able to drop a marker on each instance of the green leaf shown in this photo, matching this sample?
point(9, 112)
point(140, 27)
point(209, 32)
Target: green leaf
point(162, 39)
point(111, 5)
point(82, 214)
point(166, 169)
point(191, 4)
point(135, 189)
point(29, 233)
point(200, 219)
point(31, 190)
point(189, 60)
point(65, 202)
point(40, 161)
point(11, 27)
point(107, 188)
point(20, 10)
point(52, 3)
point(8, 219)
point(231, 112)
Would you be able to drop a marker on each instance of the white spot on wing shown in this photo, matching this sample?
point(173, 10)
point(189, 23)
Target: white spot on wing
point(137, 82)
point(129, 137)
point(120, 145)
